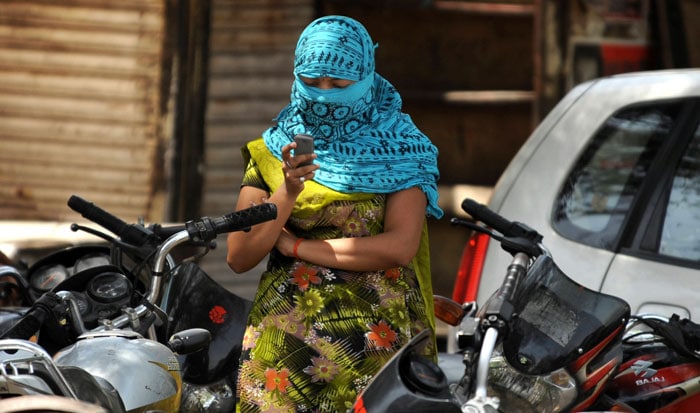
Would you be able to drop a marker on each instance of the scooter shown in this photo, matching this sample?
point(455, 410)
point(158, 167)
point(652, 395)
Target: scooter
point(541, 342)
point(153, 332)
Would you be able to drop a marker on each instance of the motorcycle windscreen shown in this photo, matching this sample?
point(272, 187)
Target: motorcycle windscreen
point(195, 300)
point(557, 319)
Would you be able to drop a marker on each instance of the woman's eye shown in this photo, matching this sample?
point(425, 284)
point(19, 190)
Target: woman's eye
point(341, 83)
point(326, 83)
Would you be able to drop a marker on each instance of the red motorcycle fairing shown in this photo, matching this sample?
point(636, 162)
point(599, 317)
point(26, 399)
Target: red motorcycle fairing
point(594, 369)
point(656, 379)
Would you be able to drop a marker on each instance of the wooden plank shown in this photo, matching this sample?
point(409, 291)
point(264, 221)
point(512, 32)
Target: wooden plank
point(485, 8)
point(222, 202)
point(141, 5)
point(220, 158)
point(79, 155)
point(283, 16)
point(221, 5)
point(28, 173)
point(260, 64)
point(131, 112)
point(225, 184)
point(245, 41)
point(51, 202)
point(222, 134)
point(70, 130)
point(473, 97)
point(56, 211)
point(226, 176)
point(59, 196)
point(75, 40)
point(236, 110)
point(251, 86)
point(92, 64)
point(54, 15)
point(69, 85)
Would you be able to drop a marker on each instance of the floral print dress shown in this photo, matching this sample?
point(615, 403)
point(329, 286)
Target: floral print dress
point(317, 335)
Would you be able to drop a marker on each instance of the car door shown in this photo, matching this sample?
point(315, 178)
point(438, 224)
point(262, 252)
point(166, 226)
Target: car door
point(657, 267)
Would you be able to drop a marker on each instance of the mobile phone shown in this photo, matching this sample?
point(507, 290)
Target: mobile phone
point(305, 145)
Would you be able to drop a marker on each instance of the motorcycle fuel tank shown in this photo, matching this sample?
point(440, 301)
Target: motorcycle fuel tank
point(144, 372)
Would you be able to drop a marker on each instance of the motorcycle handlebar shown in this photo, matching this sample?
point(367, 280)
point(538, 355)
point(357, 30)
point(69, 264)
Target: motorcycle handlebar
point(517, 237)
point(481, 212)
point(200, 230)
point(132, 234)
point(206, 229)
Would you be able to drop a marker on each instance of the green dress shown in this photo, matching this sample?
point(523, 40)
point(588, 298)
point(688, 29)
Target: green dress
point(317, 335)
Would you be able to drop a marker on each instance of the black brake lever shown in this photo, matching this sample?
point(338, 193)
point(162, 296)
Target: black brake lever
point(527, 240)
point(474, 226)
point(76, 227)
point(142, 252)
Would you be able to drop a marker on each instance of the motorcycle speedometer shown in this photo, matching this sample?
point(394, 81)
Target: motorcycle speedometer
point(109, 287)
point(90, 261)
point(47, 277)
point(422, 374)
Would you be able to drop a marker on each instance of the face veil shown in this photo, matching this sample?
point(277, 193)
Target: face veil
point(364, 142)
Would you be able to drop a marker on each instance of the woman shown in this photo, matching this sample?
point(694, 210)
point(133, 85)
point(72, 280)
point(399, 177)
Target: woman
point(348, 278)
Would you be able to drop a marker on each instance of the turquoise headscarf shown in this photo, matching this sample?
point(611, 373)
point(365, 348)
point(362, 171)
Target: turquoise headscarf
point(363, 141)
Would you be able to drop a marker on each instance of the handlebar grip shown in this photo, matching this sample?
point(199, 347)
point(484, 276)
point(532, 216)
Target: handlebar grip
point(131, 234)
point(245, 218)
point(97, 215)
point(482, 213)
point(206, 229)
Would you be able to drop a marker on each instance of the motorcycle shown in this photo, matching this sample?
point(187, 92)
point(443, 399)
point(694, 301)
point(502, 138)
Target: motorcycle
point(101, 313)
point(660, 368)
point(540, 343)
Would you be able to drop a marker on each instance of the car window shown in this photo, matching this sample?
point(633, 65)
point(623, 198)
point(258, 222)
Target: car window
point(599, 191)
point(680, 236)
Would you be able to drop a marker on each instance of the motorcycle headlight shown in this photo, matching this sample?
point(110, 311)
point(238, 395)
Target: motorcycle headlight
point(519, 392)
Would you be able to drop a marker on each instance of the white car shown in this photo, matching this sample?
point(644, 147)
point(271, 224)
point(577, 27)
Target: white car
point(611, 179)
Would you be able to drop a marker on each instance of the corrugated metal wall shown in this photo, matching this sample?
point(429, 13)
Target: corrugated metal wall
point(251, 51)
point(81, 106)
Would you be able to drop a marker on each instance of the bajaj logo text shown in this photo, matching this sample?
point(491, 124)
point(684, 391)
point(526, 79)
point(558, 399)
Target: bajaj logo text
point(643, 370)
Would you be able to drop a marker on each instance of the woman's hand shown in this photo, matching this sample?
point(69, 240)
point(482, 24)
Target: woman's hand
point(285, 243)
point(396, 246)
point(294, 175)
point(247, 249)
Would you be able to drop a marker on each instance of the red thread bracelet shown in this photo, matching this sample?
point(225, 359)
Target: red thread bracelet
point(296, 248)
